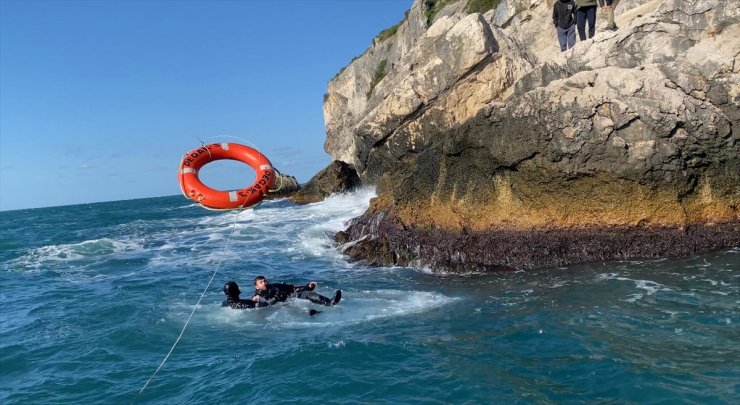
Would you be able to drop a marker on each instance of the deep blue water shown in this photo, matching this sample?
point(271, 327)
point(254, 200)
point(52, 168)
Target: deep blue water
point(93, 297)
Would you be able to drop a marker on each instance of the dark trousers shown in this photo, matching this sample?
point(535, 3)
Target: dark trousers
point(315, 298)
point(566, 37)
point(584, 14)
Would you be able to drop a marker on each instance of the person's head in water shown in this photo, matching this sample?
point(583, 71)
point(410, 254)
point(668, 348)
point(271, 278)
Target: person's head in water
point(260, 283)
point(231, 289)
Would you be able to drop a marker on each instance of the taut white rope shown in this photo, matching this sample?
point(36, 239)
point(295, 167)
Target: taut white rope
point(226, 245)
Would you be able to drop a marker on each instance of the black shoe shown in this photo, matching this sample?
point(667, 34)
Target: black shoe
point(337, 296)
point(614, 28)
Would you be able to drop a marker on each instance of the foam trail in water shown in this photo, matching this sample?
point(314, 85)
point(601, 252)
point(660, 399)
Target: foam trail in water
point(356, 307)
point(89, 249)
point(649, 287)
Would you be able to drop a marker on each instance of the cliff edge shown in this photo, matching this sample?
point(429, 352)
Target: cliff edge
point(491, 149)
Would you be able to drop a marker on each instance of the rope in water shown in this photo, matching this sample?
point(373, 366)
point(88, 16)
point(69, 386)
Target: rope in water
point(226, 245)
point(213, 276)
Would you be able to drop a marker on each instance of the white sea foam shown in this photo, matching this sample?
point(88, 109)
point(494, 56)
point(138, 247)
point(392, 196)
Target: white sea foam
point(356, 307)
point(649, 287)
point(201, 241)
point(427, 270)
point(606, 276)
point(277, 227)
point(336, 345)
point(314, 241)
point(391, 303)
point(318, 220)
point(67, 253)
point(557, 284)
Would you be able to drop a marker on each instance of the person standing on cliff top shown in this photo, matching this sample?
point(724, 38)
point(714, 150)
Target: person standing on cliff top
point(607, 6)
point(586, 12)
point(564, 18)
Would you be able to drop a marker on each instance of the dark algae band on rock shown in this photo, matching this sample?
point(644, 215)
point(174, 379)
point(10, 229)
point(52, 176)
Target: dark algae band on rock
point(491, 149)
point(492, 250)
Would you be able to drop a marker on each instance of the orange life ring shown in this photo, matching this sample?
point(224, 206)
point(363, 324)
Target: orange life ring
point(195, 190)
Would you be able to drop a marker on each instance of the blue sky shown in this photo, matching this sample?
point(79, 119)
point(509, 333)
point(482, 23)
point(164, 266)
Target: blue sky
point(100, 99)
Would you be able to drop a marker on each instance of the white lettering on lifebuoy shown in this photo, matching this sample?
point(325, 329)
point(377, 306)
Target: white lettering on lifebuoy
point(190, 156)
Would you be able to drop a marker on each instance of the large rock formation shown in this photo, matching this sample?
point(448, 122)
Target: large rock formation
point(491, 149)
point(338, 177)
point(440, 79)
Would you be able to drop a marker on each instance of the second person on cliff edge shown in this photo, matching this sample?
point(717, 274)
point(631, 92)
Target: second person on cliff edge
point(586, 12)
point(607, 7)
point(564, 18)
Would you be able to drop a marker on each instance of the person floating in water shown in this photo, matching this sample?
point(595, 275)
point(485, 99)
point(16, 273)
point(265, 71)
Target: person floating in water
point(268, 294)
point(231, 290)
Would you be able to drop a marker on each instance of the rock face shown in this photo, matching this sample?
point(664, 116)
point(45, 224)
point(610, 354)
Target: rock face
point(493, 150)
point(429, 84)
point(285, 186)
point(338, 177)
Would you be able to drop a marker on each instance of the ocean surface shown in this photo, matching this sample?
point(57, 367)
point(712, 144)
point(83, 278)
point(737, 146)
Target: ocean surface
point(94, 296)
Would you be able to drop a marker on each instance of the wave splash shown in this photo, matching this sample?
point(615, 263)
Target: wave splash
point(356, 308)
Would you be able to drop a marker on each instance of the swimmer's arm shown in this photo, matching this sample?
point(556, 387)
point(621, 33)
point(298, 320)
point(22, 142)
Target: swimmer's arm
point(263, 302)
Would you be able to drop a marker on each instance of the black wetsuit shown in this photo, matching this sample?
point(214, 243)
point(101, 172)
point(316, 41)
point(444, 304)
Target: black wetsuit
point(238, 303)
point(279, 292)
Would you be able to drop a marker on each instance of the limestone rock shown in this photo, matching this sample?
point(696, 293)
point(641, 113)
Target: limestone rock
point(454, 68)
point(491, 149)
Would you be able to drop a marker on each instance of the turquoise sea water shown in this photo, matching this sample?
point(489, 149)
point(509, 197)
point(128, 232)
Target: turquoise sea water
point(93, 297)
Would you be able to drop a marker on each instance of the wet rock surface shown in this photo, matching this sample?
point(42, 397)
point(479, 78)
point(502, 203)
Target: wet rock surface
point(338, 177)
point(382, 240)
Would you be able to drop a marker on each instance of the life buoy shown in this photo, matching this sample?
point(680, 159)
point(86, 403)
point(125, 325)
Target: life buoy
point(195, 190)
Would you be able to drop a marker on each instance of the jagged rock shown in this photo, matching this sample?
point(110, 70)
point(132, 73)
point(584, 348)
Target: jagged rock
point(285, 186)
point(491, 149)
point(338, 177)
point(449, 73)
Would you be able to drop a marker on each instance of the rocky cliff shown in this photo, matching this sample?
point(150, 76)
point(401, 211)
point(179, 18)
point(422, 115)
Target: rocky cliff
point(491, 149)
